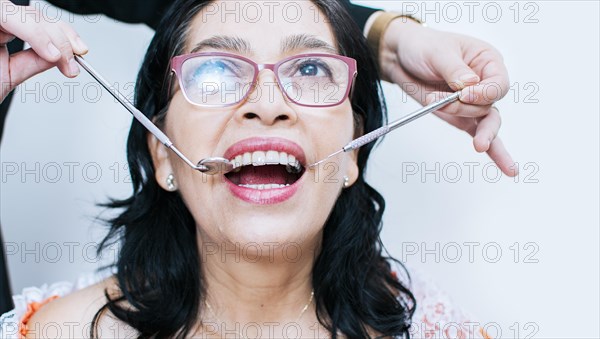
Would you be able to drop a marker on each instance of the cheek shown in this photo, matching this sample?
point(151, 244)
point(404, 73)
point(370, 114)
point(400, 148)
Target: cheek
point(195, 132)
point(342, 121)
point(331, 128)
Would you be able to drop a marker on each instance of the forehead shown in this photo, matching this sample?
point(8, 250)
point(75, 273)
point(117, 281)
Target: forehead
point(263, 29)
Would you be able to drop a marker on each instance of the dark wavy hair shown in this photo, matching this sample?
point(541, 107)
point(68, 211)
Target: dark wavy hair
point(158, 268)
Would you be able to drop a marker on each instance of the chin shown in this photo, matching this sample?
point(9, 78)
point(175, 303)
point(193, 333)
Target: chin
point(271, 229)
point(265, 239)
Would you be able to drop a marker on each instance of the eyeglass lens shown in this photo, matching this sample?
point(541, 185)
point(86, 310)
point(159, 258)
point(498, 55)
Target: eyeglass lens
point(223, 80)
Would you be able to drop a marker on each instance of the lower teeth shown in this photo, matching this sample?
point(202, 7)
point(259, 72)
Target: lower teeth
point(264, 187)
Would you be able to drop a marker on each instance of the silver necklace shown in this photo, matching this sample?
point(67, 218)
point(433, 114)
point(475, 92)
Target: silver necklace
point(312, 294)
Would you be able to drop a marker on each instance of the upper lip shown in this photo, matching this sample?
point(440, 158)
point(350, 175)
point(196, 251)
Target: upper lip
point(266, 144)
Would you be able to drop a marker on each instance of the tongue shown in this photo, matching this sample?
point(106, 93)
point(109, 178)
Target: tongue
point(269, 174)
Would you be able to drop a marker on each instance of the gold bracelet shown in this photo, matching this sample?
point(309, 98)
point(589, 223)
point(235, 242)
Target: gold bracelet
point(375, 35)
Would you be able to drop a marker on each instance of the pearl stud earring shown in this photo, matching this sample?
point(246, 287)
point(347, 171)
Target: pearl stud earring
point(171, 182)
point(346, 181)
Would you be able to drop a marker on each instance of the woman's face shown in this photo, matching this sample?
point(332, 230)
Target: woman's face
point(264, 126)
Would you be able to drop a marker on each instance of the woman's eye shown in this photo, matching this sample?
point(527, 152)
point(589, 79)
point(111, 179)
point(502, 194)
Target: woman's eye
point(312, 69)
point(213, 68)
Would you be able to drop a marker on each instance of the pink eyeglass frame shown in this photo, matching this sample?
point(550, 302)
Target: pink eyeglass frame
point(177, 62)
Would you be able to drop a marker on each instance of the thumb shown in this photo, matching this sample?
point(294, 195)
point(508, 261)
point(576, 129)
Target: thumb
point(24, 65)
point(454, 70)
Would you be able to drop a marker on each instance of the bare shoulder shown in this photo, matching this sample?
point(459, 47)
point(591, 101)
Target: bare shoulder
point(71, 316)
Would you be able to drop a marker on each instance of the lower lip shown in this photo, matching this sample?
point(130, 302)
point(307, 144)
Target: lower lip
point(265, 197)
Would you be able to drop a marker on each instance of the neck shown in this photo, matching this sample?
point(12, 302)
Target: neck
point(258, 284)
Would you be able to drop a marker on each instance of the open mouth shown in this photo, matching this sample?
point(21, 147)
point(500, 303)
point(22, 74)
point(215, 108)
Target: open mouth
point(262, 170)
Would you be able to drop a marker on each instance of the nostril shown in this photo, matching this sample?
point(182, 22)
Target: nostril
point(251, 115)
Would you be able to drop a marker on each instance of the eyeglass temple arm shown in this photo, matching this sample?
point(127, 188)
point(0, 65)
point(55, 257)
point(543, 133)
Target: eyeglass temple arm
point(136, 113)
point(351, 94)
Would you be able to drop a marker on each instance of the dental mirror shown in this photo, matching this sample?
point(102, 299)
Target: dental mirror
point(216, 165)
point(212, 165)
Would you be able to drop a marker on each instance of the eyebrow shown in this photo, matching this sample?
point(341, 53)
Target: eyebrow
point(305, 41)
point(241, 46)
point(223, 42)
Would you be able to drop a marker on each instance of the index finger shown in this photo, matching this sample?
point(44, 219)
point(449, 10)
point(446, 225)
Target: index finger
point(23, 22)
point(6, 38)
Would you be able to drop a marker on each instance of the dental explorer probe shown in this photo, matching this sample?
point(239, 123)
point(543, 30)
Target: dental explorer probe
point(381, 131)
point(211, 165)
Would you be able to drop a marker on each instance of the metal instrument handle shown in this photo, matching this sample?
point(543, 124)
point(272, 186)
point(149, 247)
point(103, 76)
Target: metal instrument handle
point(367, 138)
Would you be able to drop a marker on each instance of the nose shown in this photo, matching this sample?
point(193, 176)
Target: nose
point(266, 103)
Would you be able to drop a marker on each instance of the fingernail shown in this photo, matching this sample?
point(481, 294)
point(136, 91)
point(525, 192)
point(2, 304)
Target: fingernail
point(54, 52)
point(469, 96)
point(81, 44)
point(469, 78)
point(73, 67)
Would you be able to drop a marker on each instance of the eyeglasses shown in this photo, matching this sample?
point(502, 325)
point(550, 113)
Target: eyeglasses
point(216, 79)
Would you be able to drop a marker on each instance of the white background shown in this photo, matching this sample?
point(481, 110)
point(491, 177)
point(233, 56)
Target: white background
point(545, 222)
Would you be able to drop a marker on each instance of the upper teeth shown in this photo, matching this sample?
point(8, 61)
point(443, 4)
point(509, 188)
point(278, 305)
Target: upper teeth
point(261, 158)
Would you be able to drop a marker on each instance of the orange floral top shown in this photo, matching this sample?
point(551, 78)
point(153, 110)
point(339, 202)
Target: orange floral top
point(32, 307)
point(435, 316)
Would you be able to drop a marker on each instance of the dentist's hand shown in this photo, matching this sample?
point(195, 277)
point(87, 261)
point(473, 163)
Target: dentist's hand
point(426, 63)
point(52, 44)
